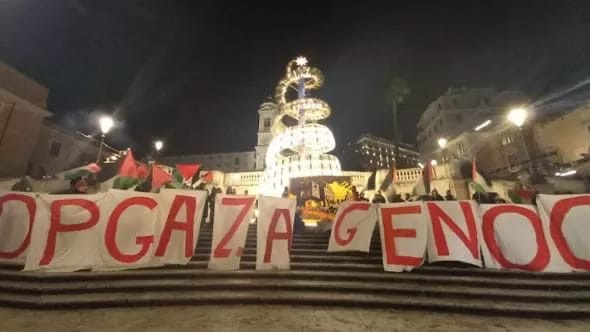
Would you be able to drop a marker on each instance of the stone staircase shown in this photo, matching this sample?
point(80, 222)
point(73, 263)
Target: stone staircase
point(316, 278)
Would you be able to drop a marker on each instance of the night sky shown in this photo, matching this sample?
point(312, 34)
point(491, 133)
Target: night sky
point(194, 72)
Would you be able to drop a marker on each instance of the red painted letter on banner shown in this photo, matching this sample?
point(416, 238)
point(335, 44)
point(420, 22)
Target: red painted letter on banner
point(558, 214)
point(272, 235)
point(351, 232)
point(111, 231)
point(390, 233)
point(56, 226)
point(31, 208)
point(221, 251)
point(470, 240)
point(541, 259)
point(186, 226)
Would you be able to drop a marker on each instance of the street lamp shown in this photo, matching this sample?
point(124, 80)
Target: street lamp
point(158, 145)
point(442, 143)
point(106, 124)
point(518, 116)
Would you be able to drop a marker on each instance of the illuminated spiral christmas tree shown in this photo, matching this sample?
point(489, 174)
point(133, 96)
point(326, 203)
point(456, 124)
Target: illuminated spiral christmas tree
point(299, 150)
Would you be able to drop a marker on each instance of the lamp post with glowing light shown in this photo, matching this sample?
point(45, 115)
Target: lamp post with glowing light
point(158, 145)
point(442, 143)
point(106, 124)
point(518, 117)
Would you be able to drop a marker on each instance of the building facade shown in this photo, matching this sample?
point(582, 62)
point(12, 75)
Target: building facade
point(568, 134)
point(546, 145)
point(459, 111)
point(59, 149)
point(22, 110)
point(370, 153)
point(30, 144)
point(266, 116)
point(224, 162)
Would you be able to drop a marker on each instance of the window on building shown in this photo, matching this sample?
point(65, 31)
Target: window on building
point(440, 123)
point(512, 160)
point(439, 107)
point(507, 139)
point(266, 123)
point(55, 148)
point(483, 101)
point(460, 149)
point(458, 117)
point(455, 103)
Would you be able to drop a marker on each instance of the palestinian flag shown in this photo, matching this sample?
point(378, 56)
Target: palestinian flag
point(160, 177)
point(203, 177)
point(390, 178)
point(128, 175)
point(143, 171)
point(521, 196)
point(479, 183)
point(207, 177)
point(83, 171)
point(422, 186)
point(188, 171)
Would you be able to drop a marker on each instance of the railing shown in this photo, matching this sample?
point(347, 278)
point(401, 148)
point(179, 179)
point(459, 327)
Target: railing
point(243, 179)
point(357, 178)
point(412, 174)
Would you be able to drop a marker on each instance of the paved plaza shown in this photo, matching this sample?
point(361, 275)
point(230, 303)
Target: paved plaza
point(267, 318)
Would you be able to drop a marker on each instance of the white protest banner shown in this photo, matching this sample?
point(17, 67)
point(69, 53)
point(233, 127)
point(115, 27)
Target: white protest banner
point(17, 217)
point(274, 233)
point(353, 227)
point(453, 232)
point(514, 238)
point(66, 234)
point(230, 227)
point(402, 227)
point(127, 238)
point(566, 222)
point(179, 224)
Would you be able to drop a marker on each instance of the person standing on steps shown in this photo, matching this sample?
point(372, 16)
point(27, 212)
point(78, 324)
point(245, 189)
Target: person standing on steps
point(379, 198)
point(435, 196)
point(449, 196)
point(211, 202)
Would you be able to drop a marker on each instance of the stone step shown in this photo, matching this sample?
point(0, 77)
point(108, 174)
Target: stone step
point(295, 240)
point(418, 301)
point(498, 280)
point(282, 284)
point(302, 245)
point(428, 269)
point(326, 259)
point(321, 265)
point(307, 235)
point(299, 251)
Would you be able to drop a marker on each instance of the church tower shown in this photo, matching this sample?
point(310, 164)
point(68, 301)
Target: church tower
point(266, 115)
